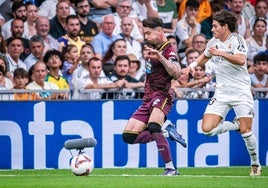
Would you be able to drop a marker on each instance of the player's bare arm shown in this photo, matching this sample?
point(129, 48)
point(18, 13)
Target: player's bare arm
point(237, 59)
point(173, 68)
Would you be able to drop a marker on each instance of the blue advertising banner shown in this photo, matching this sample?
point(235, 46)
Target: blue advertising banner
point(32, 135)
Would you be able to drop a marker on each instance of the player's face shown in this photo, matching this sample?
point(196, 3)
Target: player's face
point(150, 35)
point(217, 29)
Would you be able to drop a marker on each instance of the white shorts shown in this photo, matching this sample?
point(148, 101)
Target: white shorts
point(242, 108)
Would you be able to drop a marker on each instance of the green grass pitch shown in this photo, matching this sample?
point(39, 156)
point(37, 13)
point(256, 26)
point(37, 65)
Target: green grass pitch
point(218, 177)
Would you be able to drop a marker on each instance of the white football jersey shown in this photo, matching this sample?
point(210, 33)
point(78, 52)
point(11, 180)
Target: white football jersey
point(230, 77)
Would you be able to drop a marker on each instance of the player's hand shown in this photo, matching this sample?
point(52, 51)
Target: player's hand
point(188, 70)
point(214, 51)
point(152, 53)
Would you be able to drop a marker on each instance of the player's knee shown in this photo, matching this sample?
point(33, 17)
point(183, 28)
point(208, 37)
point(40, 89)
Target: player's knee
point(129, 137)
point(154, 127)
point(210, 133)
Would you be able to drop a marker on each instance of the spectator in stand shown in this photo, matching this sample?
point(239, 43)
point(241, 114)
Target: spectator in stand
point(96, 81)
point(39, 74)
point(54, 61)
point(266, 50)
point(37, 51)
point(5, 10)
point(173, 41)
point(101, 8)
point(133, 45)
point(117, 48)
point(58, 22)
point(167, 11)
point(198, 43)
point(261, 10)
point(203, 13)
point(29, 24)
point(145, 8)
point(48, 8)
point(15, 49)
point(206, 24)
point(105, 37)
point(81, 72)
point(248, 10)
point(18, 11)
point(88, 27)
point(242, 22)
point(187, 27)
point(3, 45)
point(72, 36)
point(71, 62)
point(121, 69)
point(5, 83)
point(20, 80)
point(42, 25)
point(123, 9)
point(17, 30)
point(135, 68)
point(4, 63)
point(259, 78)
point(256, 42)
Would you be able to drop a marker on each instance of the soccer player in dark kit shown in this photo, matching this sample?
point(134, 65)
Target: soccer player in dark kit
point(162, 65)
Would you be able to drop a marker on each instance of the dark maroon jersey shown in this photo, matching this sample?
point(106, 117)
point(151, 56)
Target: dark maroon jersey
point(157, 78)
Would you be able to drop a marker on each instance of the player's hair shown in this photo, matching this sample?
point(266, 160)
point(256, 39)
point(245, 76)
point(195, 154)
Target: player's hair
point(226, 17)
point(152, 22)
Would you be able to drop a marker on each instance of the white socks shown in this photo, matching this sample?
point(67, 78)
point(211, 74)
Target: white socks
point(223, 127)
point(251, 144)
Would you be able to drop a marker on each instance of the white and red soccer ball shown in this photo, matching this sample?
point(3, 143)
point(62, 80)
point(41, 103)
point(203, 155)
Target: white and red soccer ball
point(81, 165)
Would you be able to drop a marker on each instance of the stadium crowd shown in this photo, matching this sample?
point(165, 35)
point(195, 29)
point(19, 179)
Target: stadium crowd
point(80, 45)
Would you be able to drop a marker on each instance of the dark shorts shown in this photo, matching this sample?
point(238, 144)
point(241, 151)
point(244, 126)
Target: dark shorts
point(157, 100)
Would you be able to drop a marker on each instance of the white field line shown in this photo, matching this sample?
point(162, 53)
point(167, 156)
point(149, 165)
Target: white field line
point(140, 175)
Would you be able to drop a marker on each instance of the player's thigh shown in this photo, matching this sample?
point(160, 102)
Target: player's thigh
point(210, 121)
point(157, 116)
point(244, 114)
point(135, 125)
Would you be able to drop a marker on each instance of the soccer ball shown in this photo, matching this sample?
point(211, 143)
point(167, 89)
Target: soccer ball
point(81, 165)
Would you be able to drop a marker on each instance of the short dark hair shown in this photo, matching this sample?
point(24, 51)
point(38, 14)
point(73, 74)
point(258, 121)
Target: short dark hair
point(93, 59)
point(152, 22)
point(120, 58)
point(192, 4)
point(226, 17)
point(9, 40)
point(71, 17)
point(16, 5)
point(260, 57)
point(78, 1)
point(50, 53)
point(20, 72)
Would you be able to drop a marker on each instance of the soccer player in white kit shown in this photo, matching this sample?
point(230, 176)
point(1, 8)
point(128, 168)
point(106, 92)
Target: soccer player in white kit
point(228, 52)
